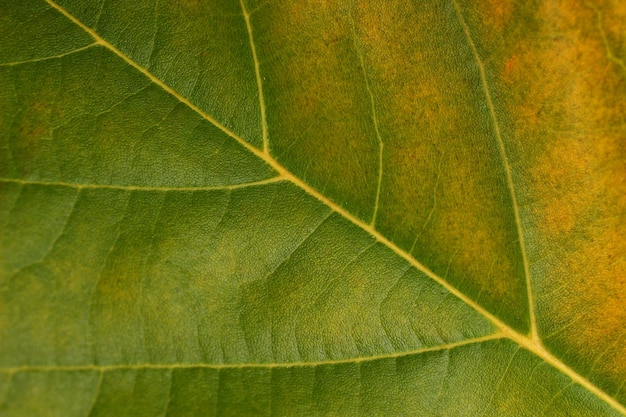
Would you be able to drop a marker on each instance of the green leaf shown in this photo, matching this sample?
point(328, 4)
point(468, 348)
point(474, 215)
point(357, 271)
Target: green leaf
point(223, 207)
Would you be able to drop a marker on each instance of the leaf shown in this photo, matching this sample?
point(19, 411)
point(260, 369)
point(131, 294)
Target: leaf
point(312, 208)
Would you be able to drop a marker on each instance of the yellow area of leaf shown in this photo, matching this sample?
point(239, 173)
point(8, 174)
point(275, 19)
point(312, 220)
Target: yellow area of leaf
point(611, 15)
point(444, 197)
point(496, 13)
point(570, 125)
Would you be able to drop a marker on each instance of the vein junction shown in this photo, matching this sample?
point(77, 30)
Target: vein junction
point(507, 169)
point(530, 343)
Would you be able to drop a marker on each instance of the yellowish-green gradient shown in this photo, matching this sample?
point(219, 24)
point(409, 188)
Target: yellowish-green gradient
point(315, 208)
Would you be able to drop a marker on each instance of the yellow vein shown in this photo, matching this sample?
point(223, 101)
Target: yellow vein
point(544, 354)
point(507, 168)
point(47, 58)
point(259, 81)
point(605, 40)
point(524, 341)
point(382, 239)
point(374, 119)
point(143, 188)
point(533, 343)
point(101, 368)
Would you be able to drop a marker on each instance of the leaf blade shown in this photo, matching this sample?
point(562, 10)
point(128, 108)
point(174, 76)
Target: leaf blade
point(149, 206)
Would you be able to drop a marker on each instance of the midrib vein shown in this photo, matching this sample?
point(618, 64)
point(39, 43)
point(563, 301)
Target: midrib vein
point(100, 368)
point(141, 187)
point(507, 168)
point(259, 81)
point(524, 341)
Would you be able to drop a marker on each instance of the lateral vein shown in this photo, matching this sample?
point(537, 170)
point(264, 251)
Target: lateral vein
point(605, 39)
point(142, 188)
point(104, 368)
point(259, 80)
point(48, 58)
point(374, 120)
point(507, 169)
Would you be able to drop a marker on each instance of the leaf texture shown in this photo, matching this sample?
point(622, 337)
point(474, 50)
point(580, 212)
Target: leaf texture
point(231, 207)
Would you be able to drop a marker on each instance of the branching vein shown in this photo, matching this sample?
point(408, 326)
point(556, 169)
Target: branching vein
point(605, 40)
point(505, 331)
point(507, 169)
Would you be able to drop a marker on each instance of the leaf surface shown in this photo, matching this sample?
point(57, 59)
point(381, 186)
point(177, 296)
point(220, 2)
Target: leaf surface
point(312, 208)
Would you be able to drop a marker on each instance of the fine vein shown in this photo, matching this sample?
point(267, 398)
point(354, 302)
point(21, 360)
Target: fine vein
point(47, 58)
point(141, 187)
point(259, 81)
point(605, 40)
point(96, 393)
point(522, 340)
point(507, 169)
point(374, 119)
point(101, 368)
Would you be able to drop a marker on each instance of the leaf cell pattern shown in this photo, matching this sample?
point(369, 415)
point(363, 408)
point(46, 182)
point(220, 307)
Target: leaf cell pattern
point(312, 208)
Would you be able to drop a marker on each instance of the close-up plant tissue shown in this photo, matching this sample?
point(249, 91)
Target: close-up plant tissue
point(312, 208)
